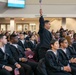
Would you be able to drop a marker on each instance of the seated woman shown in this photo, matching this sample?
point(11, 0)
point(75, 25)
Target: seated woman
point(67, 55)
point(53, 65)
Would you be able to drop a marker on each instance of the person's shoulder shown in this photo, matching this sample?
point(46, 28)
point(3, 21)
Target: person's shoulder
point(60, 50)
point(47, 30)
point(20, 47)
point(8, 44)
point(11, 46)
point(70, 48)
point(74, 43)
point(49, 52)
point(41, 17)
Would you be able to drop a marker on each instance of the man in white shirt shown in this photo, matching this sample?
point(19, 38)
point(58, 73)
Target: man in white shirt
point(7, 68)
point(22, 42)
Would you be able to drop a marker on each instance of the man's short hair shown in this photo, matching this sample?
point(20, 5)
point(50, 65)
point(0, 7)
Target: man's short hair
point(22, 33)
point(1, 36)
point(12, 36)
point(74, 35)
point(46, 21)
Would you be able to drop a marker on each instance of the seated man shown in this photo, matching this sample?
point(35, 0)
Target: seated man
point(7, 63)
point(27, 46)
point(22, 42)
point(19, 56)
point(32, 43)
point(57, 36)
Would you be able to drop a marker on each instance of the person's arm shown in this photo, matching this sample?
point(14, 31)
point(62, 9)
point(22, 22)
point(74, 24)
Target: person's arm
point(2, 65)
point(41, 21)
point(11, 59)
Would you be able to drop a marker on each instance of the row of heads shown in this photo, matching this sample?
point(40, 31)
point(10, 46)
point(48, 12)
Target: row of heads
point(61, 43)
point(13, 39)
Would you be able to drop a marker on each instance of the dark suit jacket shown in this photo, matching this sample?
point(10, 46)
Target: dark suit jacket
point(41, 67)
point(52, 63)
point(74, 45)
point(31, 45)
point(65, 57)
point(72, 51)
point(17, 52)
point(23, 45)
point(45, 35)
point(6, 58)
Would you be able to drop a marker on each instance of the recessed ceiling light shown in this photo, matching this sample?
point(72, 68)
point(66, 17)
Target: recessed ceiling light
point(22, 19)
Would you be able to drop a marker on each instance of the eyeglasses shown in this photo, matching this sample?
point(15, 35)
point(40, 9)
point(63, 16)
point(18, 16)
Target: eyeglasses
point(65, 42)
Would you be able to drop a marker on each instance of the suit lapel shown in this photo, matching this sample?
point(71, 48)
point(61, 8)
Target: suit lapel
point(1, 51)
point(22, 44)
point(6, 53)
point(68, 53)
point(55, 58)
point(19, 49)
point(34, 44)
point(15, 48)
point(6, 49)
point(65, 54)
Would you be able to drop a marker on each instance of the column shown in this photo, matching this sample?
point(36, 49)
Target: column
point(12, 25)
point(64, 23)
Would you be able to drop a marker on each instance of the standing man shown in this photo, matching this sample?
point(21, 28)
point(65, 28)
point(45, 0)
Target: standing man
point(45, 35)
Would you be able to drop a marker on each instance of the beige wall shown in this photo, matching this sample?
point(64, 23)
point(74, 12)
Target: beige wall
point(71, 24)
point(23, 22)
point(55, 25)
point(51, 8)
point(48, 2)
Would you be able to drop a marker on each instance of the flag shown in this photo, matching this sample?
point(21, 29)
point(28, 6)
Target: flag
point(16, 71)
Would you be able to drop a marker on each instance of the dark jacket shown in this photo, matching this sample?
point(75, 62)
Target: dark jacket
point(22, 45)
point(74, 45)
point(45, 35)
point(65, 57)
point(52, 63)
point(6, 58)
point(31, 45)
point(41, 67)
point(17, 52)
